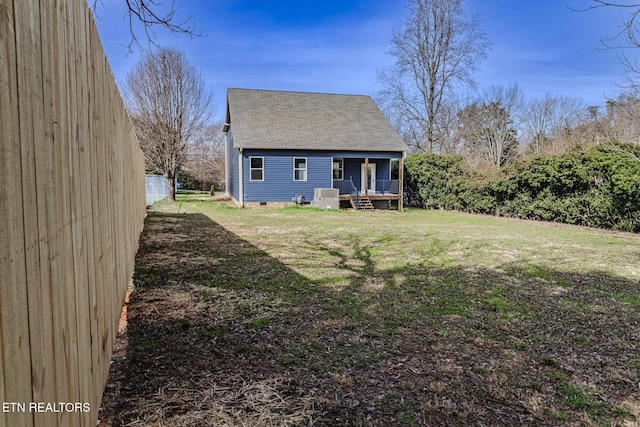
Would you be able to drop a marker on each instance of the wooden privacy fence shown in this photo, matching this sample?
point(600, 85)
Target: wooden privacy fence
point(72, 205)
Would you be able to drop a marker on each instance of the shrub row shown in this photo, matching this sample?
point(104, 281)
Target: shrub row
point(188, 181)
point(598, 188)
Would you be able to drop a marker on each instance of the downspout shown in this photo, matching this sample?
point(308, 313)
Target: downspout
point(241, 180)
point(401, 182)
point(227, 158)
point(226, 164)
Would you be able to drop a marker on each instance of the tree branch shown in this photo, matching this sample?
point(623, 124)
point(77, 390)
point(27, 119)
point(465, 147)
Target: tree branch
point(152, 14)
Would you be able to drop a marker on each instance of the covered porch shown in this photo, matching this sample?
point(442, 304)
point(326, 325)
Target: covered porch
point(367, 184)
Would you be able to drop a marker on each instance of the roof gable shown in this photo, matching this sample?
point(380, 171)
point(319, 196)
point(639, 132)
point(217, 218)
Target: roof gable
point(265, 119)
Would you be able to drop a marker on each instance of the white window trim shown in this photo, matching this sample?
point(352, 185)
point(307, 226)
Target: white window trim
point(252, 169)
point(306, 169)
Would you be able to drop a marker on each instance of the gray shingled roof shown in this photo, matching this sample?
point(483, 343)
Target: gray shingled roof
point(309, 121)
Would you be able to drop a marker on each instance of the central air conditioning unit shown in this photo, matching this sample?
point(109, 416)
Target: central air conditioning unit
point(326, 198)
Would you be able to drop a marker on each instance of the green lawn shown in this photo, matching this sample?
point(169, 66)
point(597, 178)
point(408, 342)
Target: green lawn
point(348, 318)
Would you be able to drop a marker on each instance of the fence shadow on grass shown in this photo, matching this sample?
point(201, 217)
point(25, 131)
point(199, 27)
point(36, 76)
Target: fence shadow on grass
point(222, 333)
point(201, 346)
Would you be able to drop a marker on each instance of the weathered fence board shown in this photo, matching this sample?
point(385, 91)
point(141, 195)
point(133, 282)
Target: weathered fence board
point(14, 336)
point(72, 203)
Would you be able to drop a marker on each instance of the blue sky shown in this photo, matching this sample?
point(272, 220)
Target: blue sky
point(337, 46)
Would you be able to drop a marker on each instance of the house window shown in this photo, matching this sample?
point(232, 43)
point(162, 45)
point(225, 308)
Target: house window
point(256, 168)
point(338, 169)
point(299, 169)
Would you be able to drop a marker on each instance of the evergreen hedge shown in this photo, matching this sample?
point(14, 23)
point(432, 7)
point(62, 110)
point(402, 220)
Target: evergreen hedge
point(599, 187)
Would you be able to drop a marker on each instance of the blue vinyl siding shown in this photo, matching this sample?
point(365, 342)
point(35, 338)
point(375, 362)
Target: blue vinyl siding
point(352, 170)
point(279, 185)
point(384, 170)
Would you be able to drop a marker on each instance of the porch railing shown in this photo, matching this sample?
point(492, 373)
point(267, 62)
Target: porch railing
point(346, 186)
point(388, 186)
point(383, 186)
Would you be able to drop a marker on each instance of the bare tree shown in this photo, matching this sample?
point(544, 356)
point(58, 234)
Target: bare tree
point(151, 14)
point(630, 29)
point(622, 115)
point(488, 134)
point(548, 121)
point(537, 123)
point(449, 140)
point(567, 114)
point(206, 155)
point(437, 48)
point(510, 98)
point(627, 37)
point(169, 106)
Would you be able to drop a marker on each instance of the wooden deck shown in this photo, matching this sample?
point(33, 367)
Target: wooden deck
point(371, 201)
point(373, 197)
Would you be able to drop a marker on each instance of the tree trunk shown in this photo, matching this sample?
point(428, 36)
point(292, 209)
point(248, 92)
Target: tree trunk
point(171, 185)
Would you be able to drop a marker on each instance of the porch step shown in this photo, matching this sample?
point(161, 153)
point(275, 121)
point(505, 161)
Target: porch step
point(364, 204)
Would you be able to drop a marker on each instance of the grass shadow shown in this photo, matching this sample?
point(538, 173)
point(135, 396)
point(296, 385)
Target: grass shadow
point(222, 333)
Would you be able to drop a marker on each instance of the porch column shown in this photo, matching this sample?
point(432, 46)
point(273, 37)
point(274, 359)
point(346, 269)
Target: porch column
point(401, 184)
point(366, 176)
